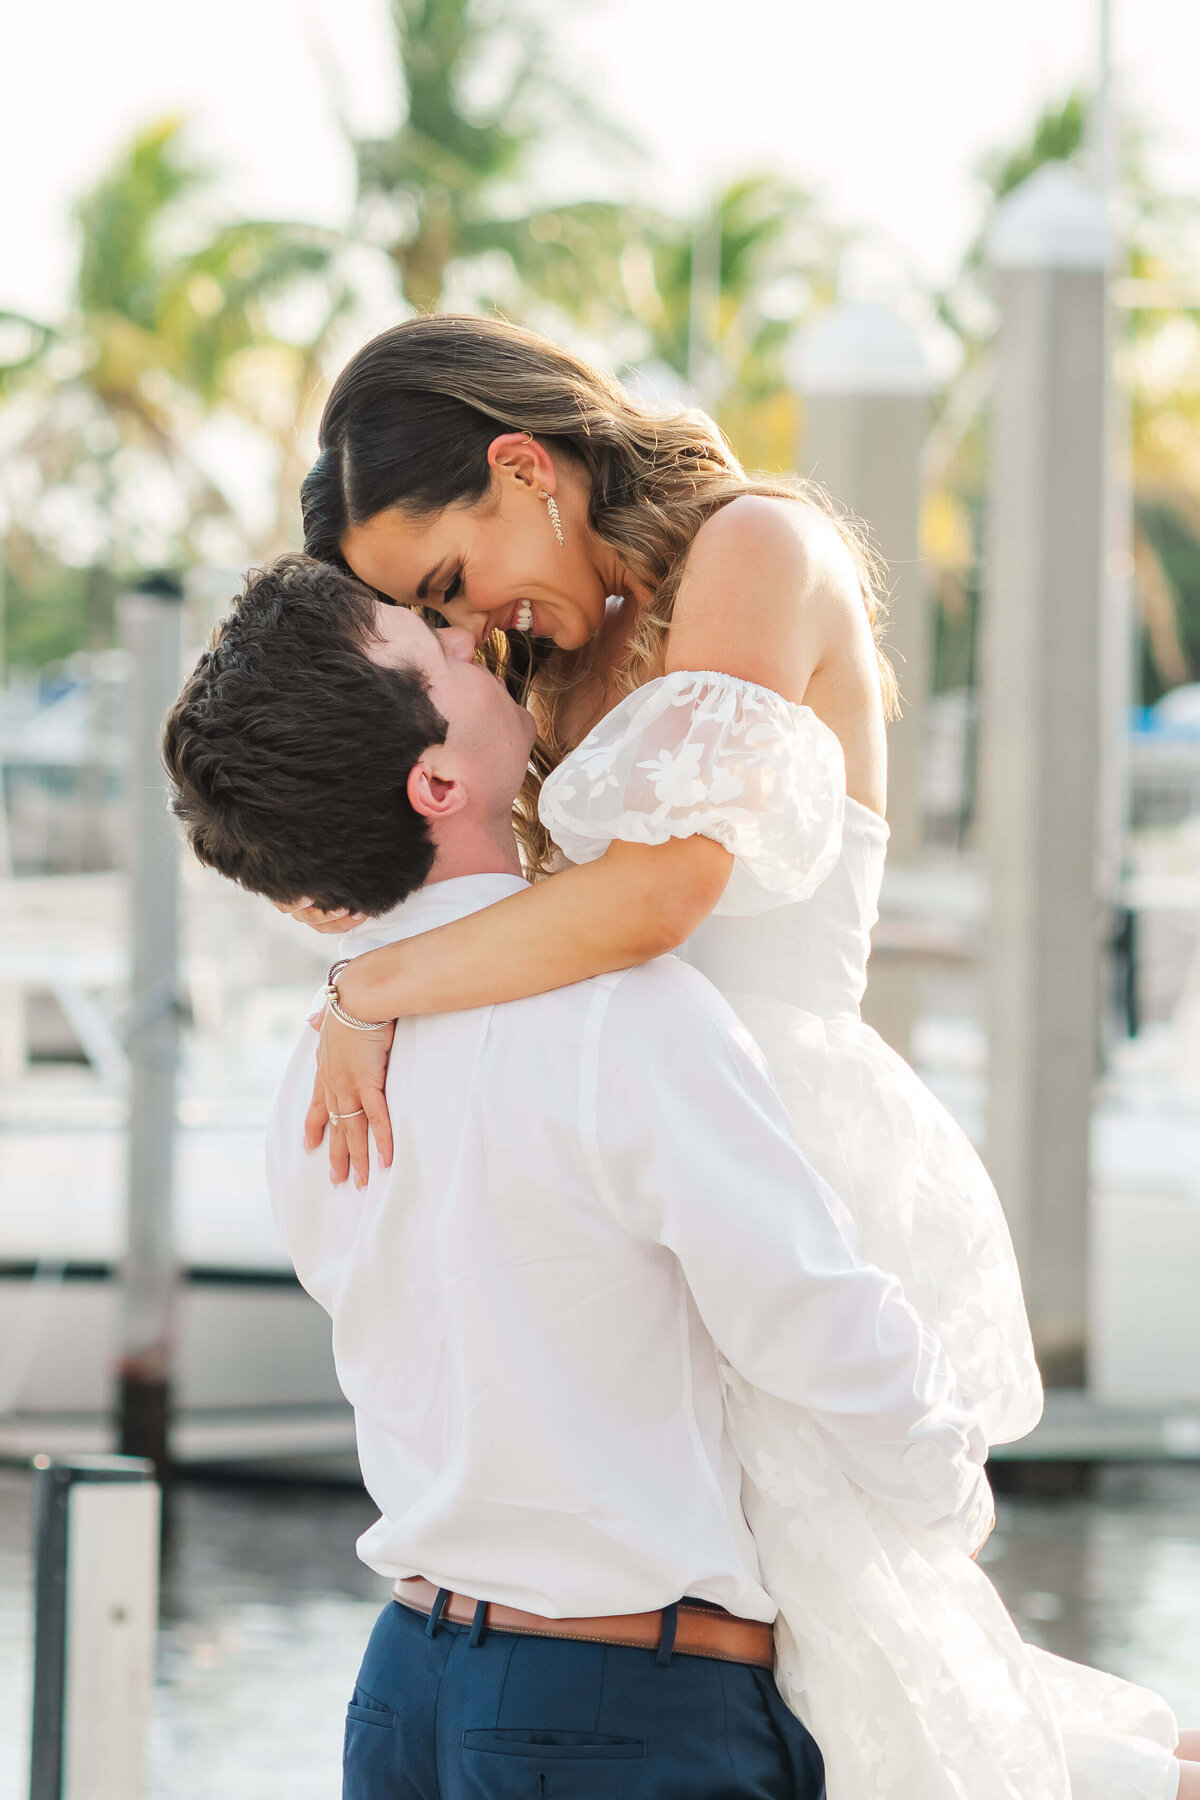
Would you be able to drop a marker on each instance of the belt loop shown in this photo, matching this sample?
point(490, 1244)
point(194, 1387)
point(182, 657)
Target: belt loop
point(435, 1612)
point(478, 1624)
point(666, 1643)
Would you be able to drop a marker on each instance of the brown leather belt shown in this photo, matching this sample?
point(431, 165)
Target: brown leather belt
point(698, 1632)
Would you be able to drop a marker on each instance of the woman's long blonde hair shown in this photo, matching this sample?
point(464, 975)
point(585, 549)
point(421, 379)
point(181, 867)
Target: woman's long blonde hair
point(408, 424)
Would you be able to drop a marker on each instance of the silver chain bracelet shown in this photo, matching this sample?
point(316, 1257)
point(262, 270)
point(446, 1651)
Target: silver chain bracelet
point(335, 1006)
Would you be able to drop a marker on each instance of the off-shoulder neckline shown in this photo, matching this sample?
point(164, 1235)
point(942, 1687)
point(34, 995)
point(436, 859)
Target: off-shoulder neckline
point(866, 815)
point(742, 681)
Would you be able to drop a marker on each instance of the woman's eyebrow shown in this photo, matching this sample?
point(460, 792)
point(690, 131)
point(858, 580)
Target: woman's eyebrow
point(423, 584)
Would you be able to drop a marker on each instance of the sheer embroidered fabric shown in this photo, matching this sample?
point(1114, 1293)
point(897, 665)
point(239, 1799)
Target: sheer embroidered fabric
point(700, 755)
point(894, 1647)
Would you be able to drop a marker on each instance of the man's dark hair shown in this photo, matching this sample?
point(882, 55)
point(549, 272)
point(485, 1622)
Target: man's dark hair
point(289, 749)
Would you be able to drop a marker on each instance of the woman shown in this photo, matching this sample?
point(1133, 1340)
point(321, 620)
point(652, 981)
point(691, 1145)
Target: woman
point(712, 716)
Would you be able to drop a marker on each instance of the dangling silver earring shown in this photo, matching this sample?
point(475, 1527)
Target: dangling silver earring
point(555, 517)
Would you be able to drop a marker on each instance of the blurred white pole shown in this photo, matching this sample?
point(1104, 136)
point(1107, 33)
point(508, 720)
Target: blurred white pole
point(1119, 649)
point(96, 1534)
point(866, 383)
point(704, 308)
point(150, 619)
point(1043, 736)
point(1101, 118)
point(6, 867)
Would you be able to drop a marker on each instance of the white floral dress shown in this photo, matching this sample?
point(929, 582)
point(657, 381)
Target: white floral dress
point(894, 1648)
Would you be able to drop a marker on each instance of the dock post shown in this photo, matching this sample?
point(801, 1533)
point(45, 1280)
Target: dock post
point(1045, 762)
point(866, 385)
point(150, 620)
point(96, 1534)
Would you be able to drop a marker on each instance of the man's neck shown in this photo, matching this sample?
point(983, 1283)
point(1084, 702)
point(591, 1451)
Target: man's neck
point(467, 847)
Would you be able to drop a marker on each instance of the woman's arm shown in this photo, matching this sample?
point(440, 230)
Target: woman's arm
point(767, 584)
point(766, 581)
point(635, 902)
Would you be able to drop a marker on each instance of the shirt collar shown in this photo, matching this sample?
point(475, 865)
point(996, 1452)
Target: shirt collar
point(437, 903)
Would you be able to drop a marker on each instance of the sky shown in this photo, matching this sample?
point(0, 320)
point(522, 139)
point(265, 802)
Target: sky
point(882, 107)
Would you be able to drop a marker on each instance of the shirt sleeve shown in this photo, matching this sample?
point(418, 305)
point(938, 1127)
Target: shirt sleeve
point(694, 1151)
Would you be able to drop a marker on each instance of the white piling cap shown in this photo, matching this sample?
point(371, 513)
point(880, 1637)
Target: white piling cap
point(1054, 220)
point(859, 347)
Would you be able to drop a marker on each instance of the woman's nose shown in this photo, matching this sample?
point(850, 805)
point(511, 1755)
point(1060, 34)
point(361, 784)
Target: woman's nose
point(460, 642)
point(466, 618)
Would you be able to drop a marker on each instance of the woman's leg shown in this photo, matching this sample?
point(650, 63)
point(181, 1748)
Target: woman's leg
point(1188, 1752)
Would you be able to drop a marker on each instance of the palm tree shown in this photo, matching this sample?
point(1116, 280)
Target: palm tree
point(450, 195)
point(1160, 368)
point(451, 199)
point(170, 321)
point(774, 260)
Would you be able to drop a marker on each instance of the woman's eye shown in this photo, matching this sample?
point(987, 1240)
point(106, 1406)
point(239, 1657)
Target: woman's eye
point(453, 588)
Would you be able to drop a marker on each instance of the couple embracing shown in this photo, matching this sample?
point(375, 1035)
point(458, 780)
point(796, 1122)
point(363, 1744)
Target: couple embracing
point(676, 1314)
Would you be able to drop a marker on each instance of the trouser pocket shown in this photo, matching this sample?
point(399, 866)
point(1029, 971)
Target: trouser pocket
point(555, 1746)
point(513, 1763)
point(370, 1711)
point(368, 1749)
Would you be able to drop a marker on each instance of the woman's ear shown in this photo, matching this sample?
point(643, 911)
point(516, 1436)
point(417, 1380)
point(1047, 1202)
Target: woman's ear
point(518, 454)
point(431, 795)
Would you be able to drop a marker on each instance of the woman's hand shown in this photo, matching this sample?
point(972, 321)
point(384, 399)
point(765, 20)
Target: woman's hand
point(351, 1072)
point(332, 923)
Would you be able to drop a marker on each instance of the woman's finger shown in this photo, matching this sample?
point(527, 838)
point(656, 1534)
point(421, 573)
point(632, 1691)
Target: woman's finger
point(358, 1145)
point(337, 918)
point(339, 1154)
point(334, 927)
point(379, 1119)
point(316, 1118)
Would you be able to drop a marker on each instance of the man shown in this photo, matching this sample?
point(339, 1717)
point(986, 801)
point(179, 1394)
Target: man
point(594, 1196)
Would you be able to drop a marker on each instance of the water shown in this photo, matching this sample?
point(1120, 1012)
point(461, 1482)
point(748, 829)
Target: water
point(267, 1609)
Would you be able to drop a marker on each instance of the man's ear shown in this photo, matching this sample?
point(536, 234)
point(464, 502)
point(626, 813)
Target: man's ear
point(518, 454)
point(432, 795)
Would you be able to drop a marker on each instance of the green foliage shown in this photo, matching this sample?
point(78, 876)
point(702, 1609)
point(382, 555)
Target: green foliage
point(1177, 549)
point(170, 321)
point(776, 259)
point(1160, 365)
point(957, 618)
point(454, 180)
point(162, 291)
point(51, 611)
point(1058, 136)
point(451, 197)
point(121, 263)
point(23, 342)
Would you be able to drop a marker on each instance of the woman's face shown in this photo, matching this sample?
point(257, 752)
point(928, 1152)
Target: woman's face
point(495, 564)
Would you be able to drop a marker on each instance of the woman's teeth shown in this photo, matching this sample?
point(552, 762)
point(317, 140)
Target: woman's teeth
point(524, 618)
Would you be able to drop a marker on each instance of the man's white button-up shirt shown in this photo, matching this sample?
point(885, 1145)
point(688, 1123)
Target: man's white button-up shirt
point(595, 1195)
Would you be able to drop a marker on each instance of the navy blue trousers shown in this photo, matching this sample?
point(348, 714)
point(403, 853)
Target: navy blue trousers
point(528, 1718)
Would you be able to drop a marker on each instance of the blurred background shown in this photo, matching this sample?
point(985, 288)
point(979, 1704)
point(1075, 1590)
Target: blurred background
point(943, 258)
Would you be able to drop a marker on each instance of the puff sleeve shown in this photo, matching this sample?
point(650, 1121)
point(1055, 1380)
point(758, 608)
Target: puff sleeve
point(708, 755)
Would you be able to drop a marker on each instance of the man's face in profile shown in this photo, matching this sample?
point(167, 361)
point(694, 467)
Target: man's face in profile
point(490, 734)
